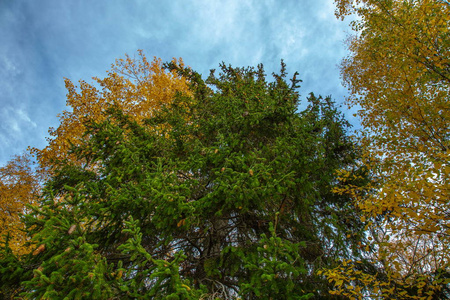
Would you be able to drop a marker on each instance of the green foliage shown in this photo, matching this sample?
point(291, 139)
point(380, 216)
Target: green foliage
point(167, 283)
point(273, 268)
point(223, 193)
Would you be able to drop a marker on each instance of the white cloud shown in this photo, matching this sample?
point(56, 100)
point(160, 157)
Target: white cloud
point(44, 41)
point(9, 66)
point(15, 120)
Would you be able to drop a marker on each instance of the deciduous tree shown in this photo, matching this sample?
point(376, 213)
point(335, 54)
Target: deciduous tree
point(135, 85)
point(19, 186)
point(399, 76)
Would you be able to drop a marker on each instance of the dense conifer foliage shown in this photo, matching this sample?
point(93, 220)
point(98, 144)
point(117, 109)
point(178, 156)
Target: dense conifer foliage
point(224, 192)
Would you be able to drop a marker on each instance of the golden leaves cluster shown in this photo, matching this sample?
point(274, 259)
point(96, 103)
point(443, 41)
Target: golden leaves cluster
point(19, 186)
point(398, 74)
point(137, 86)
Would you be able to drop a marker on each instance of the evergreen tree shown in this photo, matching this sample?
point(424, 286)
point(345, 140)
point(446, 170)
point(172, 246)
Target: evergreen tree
point(225, 192)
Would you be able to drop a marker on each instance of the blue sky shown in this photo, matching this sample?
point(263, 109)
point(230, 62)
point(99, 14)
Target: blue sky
point(44, 41)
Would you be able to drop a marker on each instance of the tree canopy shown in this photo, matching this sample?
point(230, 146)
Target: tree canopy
point(136, 85)
point(224, 191)
point(399, 76)
point(160, 184)
point(19, 187)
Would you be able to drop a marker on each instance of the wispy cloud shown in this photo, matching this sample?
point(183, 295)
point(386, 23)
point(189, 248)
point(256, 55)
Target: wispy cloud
point(44, 41)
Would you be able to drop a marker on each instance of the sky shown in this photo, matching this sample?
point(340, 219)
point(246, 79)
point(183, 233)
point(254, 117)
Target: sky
point(42, 42)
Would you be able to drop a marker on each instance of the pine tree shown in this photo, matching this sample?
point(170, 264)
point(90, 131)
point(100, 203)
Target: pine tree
point(224, 192)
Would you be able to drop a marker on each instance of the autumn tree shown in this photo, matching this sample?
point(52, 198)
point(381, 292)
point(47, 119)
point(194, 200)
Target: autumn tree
point(19, 187)
point(230, 197)
point(137, 86)
point(399, 76)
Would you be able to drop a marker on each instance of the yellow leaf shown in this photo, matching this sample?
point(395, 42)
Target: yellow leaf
point(181, 222)
point(39, 250)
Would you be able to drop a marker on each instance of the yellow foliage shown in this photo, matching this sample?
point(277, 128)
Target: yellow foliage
point(19, 186)
point(136, 86)
point(399, 75)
